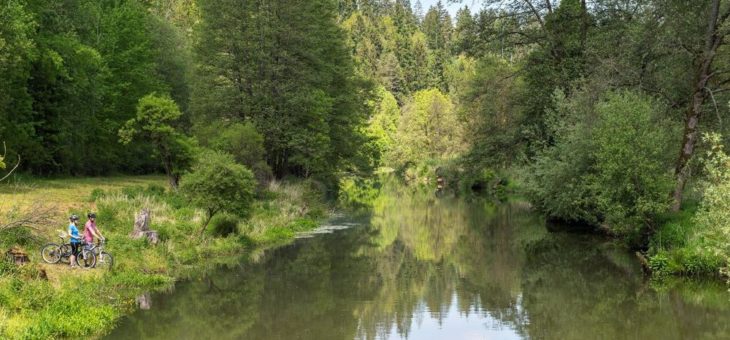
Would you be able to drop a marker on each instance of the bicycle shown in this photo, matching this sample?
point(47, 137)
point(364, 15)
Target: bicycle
point(104, 260)
point(85, 258)
point(53, 253)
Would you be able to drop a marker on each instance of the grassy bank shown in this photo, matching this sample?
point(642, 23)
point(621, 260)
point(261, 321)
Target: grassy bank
point(51, 301)
point(683, 246)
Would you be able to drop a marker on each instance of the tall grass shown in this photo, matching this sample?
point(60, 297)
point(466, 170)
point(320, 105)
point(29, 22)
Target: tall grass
point(79, 303)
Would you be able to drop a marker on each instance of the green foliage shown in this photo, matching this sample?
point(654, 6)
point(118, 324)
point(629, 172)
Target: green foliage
point(292, 77)
point(356, 192)
point(597, 172)
point(713, 218)
point(17, 52)
point(217, 184)
point(224, 225)
point(383, 125)
point(244, 142)
point(685, 261)
point(554, 65)
point(488, 99)
point(693, 241)
point(632, 159)
point(428, 129)
point(154, 123)
point(72, 73)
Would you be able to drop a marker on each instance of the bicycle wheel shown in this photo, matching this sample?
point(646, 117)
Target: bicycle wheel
point(104, 260)
point(51, 253)
point(86, 259)
point(65, 253)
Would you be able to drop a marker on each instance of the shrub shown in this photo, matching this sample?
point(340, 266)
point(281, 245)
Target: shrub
point(242, 141)
point(713, 216)
point(659, 264)
point(224, 225)
point(632, 160)
point(609, 165)
point(218, 184)
point(246, 145)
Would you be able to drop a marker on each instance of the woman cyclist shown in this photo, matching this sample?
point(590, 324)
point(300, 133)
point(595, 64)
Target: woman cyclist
point(73, 231)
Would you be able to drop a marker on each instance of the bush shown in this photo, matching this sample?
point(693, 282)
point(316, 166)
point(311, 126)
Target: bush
point(713, 216)
point(246, 145)
point(632, 161)
point(218, 184)
point(609, 165)
point(224, 225)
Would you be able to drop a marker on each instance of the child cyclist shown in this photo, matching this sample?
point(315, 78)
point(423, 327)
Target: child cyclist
point(91, 231)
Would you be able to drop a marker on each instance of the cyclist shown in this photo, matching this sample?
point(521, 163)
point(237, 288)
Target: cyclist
point(73, 232)
point(91, 231)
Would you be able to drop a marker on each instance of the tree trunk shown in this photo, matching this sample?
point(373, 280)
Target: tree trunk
point(688, 144)
point(207, 220)
point(174, 181)
point(713, 40)
point(171, 177)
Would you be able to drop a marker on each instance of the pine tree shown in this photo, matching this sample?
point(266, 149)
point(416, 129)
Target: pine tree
point(288, 69)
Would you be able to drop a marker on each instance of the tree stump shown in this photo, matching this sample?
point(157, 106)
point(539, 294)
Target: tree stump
point(17, 256)
point(142, 227)
point(141, 223)
point(152, 237)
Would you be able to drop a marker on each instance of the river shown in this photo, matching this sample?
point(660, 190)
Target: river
point(422, 267)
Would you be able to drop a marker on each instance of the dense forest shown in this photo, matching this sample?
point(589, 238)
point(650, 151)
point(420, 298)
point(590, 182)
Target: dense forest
point(608, 114)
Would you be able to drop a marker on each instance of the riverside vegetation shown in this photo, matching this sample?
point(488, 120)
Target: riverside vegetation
point(607, 115)
point(50, 301)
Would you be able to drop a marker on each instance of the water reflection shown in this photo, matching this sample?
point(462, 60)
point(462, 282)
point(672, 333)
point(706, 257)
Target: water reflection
point(428, 268)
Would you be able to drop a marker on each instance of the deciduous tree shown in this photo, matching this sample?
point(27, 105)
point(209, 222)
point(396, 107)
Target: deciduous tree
point(217, 184)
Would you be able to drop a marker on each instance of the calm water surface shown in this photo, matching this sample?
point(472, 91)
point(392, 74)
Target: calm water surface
point(421, 267)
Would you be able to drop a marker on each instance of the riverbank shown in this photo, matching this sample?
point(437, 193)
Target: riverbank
point(51, 301)
point(421, 266)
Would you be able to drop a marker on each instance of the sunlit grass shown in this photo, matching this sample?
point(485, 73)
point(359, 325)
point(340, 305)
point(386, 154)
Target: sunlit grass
point(65, 194)
point(30, 304)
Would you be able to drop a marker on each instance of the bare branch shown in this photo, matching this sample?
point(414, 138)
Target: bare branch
point(11, 170)
point(5, 152)
point(36, 218)
point(721, 90)
point(535, 13)
point(717, 111)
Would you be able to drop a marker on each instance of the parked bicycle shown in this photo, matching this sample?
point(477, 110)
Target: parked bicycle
point(54, 253)
point(104, 260)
